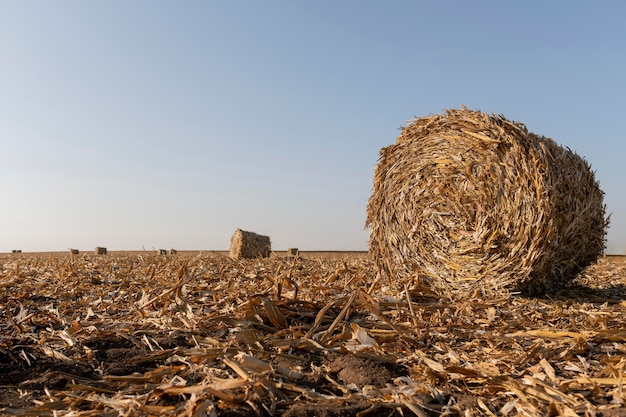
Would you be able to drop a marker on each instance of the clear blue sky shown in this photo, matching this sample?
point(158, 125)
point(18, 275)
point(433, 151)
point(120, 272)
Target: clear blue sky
point(160, 124)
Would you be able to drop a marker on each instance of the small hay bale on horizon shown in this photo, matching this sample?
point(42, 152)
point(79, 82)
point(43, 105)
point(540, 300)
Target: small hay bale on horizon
point(74, 251)
point(249, 245)
point(100, 250)
point(469, 202)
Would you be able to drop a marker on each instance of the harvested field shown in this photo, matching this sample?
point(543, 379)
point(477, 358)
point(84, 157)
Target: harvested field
point(200, 334)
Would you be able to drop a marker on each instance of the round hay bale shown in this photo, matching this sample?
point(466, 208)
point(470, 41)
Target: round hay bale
point(466, 201)
point(249, 245)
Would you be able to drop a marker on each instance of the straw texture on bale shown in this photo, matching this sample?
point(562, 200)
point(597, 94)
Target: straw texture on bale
point(249, 245)
point(467, 201)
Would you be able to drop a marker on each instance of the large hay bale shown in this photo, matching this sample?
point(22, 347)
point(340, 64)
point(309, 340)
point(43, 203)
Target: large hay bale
point(467, 201)
point(249, 245)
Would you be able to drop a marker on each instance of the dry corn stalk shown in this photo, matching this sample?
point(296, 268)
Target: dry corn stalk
point(470, 201)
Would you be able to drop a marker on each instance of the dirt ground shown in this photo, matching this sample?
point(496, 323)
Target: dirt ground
point(201, 335)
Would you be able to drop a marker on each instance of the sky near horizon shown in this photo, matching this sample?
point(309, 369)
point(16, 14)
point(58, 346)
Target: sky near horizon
point(136, 124)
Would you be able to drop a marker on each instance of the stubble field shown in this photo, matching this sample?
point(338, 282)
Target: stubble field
point(199, 334)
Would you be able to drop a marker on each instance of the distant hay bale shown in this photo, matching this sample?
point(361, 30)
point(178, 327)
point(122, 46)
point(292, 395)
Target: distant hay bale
point(292, 252)
point(469, 202)
point(100, 250)
point(249, 245)
point(162, 251)
point(16, 251)
point(172, 252)
point(74, 251)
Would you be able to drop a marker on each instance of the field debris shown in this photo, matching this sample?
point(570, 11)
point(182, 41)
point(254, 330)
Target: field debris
point(201, 334)
point(469, 202)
